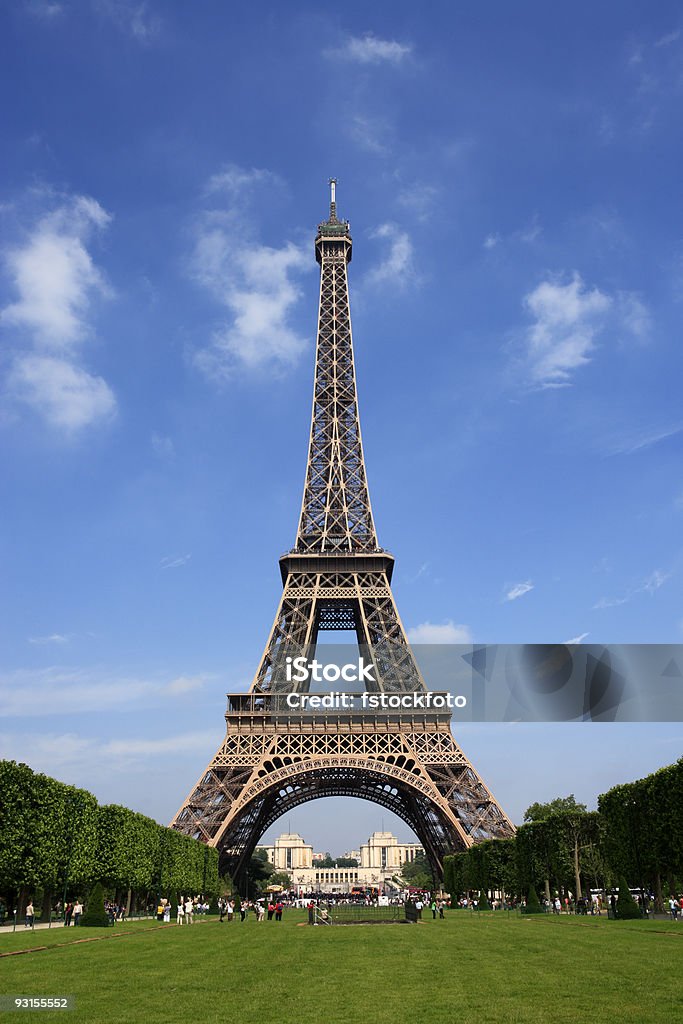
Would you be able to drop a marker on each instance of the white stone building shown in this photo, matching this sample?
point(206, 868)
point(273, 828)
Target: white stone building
point(379, 860)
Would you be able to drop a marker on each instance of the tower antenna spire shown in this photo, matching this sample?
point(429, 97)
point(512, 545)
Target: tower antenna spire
point(333, 199)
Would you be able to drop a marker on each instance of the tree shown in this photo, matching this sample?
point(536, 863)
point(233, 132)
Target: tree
point(281, 878)
point(627, 908)
point(259, 873)
point(418, 872)
point(533, 905)
point(560, 805)
point(95, 915)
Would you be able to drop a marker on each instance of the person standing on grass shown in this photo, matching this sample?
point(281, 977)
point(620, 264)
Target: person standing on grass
point(432, 907)
point(189, 910)
point(68, 911)
point(243, 911)
point(231, 910)
point(78, 910)
point(30, 915)
point(278, 910)
point(180, 912)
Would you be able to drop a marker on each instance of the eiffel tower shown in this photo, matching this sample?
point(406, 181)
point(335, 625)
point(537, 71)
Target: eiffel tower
point(337, 578)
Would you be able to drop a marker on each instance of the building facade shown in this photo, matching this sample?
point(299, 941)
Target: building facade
point(380, 859)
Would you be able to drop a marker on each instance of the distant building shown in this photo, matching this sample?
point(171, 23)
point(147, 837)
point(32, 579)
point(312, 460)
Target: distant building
point(379, 860)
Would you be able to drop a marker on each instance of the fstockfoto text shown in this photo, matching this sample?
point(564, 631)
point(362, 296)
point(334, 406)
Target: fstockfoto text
point(373, 701)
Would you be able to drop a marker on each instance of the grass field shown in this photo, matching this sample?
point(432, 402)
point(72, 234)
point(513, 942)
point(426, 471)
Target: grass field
point(488, 967)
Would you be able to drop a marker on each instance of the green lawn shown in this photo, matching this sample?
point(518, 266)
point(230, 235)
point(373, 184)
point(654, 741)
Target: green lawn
point(488, 967)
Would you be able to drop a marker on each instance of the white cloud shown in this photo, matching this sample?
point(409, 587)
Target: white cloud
point(57, 753)
point(61, 691)
point(53, 638)
point(163, 447)
point(649, 585)
point(174, 561)
point(369, 132)
point(55, 276)
point(65, 395)
point(637, 440)
point(634, 315)
point(44, 9)
point(57, 282)
point(397, 265)
point(669, 38)
point(256, 284)
point(136, 19)
point(567, 319)
point(576, 639)
point(491, 241)
point(368, 49)
point(419, 199)
point(519, 590)
point(445, 633)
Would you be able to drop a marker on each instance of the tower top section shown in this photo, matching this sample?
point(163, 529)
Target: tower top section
point(334, 231)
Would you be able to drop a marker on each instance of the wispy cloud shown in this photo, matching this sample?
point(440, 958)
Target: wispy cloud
point(57, 283)
point(163, 447)
point(70, 752)
point(567, 318)
point(491, 241)
point(369, 131)
point(650, 585)
point(639, 439)
point(518, 590)
point(419, 198)
point(135, 19)
point(61, 691)
point(369, 49)
point(397, 263)
point(174, 561)
point(668, 39)
point(254, 283)
point(443, 633)
point(634, 315)
point(44, 10)
point(576, 639)
point(53, 638)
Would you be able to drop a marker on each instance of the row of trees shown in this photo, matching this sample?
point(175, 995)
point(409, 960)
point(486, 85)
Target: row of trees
point(636, 834)
point(56, 841)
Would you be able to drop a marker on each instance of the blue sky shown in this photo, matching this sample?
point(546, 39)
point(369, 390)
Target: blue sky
point(512, 180)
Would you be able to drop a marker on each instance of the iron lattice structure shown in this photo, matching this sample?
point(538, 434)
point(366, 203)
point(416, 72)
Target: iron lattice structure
point(337, 578)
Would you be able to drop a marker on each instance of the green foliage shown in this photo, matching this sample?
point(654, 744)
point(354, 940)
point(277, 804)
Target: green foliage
point(95, 915)
point(533, 904)
point(418, 872)
point(53, 835)
point(627, 908)
point(259, 873)
point(48, 831)
point(483, 901)
point(281, 878)
point(560, 805)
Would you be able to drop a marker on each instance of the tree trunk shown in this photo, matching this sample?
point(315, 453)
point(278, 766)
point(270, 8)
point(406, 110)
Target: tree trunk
point(659, 901)
point(129, 901)
point(547, 890)
point(46, 912)
point(577, 872)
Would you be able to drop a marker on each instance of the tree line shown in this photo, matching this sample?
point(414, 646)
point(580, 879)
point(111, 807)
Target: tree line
point(636, 834)
point(56, 841)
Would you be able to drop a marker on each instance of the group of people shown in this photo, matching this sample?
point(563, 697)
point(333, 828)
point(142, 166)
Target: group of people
point(228, 908)
point(437, 906)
